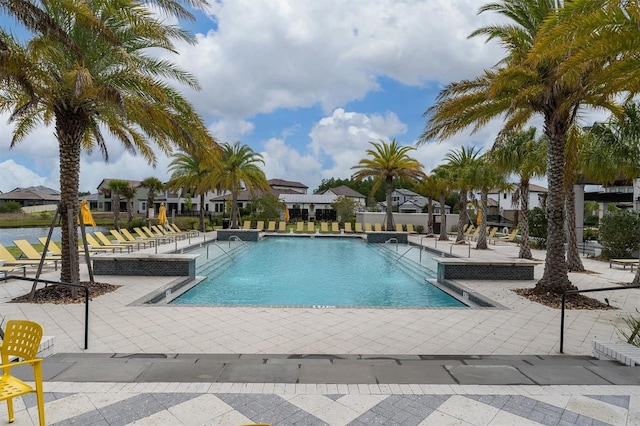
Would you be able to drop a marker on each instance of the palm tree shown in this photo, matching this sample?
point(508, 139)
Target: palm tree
point(441, 179)
point(193, 174)
point(524, 155)
point(460, 164)
point(520, 86)
point(153, 185)
point(238, 168)
point(117, 187)
point(106, 80)
point(129, 193)
point(388, 161)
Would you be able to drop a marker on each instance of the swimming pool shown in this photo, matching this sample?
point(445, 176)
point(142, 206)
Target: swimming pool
point(292, 271)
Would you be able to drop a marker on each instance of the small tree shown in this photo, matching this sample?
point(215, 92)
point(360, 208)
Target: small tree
point(117, 188)
point(10, 207)
point(345, 208)
point(620, 233)
point(538, 227)
point(267, 207)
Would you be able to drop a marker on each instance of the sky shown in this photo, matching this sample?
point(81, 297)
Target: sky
point(305, 83)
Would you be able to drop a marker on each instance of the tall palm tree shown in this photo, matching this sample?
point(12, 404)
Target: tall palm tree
point(106, 81)
point(129, 193)
point(461, 164)
point(520, 86)
point(192, 174)
point(117, 188)
point(386, 162)
point(441, 179)
point(524, 155)
point(238, 168)
point(153, 185)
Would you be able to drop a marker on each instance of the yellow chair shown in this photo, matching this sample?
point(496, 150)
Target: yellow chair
point(359, 227)
point(399, 227)
point(367, 227)
point(247, 224)
point(324, 227)
point(311, 227)
point(21, 340)
point(282, 226)
point(272, 226)
point(260, 225)
point(347, 227)
point(335, 227)
point(377, 227)
point(300, 227)
point(410, 228)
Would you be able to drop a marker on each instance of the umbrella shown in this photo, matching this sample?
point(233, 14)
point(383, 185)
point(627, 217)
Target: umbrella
point(87, 217)
point(162, 214)
point(286, 214)
point(479, 217)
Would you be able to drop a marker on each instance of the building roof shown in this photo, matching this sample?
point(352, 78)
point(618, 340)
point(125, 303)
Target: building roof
point(291, 184)
point(406, 192)
point(32, 193)
point(344, 191)
point(246, 195)
point(532, 188)
point(308, 198)
point(105, 183)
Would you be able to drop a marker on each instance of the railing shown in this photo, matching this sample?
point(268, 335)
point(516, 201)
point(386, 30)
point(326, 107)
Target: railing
point(408, 250)
point(86, 299)
point(236, 238)
point(593, 290)
point(392, 240)
point(223, 250)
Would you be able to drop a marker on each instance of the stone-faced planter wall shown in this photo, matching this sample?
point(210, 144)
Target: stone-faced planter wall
point(382, 237)
point(467, 269)
point(243, 234)
point(138, 264)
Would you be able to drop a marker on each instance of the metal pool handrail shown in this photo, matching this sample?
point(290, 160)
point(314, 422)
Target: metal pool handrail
point(593, 290)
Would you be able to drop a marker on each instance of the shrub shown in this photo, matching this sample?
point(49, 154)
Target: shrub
point(620, 233)
point(10, 207)
point(538, 227)
point(136, 222)
point(633, 335)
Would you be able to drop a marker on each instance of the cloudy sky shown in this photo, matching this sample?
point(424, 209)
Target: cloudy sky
point(306, 83)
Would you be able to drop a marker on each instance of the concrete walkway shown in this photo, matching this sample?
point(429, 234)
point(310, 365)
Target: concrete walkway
point(211, 365)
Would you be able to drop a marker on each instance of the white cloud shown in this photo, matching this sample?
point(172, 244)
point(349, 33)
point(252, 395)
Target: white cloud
point(230, 129)
point(282, 161)
point(13, 175)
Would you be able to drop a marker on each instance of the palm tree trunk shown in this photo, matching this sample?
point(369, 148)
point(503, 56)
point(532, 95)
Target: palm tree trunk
point(130, 210)
point(202, 213)
point(462, 215)
point(482, 235)
point(69, 129)
point(430, 219)
point(116, 210)
point(555, 279)
point(235, 212)
point(389, 225)
point(150, 197)
point(574, 263)
point(443, 219)
point(525, 249)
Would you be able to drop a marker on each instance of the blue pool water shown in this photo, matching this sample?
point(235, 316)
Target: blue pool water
point(314, 272)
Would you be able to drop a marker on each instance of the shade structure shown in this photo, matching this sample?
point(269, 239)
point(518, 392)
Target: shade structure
point(162, 214)
point(87, 217)
point(286, 214)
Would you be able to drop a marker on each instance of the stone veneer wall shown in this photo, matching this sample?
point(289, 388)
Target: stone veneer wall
point(146, 265)
point(487, 271)
point(243, 234)
point(382, 237)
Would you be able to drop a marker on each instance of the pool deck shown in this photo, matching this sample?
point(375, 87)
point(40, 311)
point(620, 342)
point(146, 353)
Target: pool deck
point(213, 365)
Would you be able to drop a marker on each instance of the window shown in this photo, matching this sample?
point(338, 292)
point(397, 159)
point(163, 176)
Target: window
point(504, 196)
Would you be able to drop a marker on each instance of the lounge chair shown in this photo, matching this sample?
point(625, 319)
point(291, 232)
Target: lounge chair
point(300, 227)
point(324, 227)
point(311, 227)
point(192, 232)
point(155, 232)
point(509, 238)
point(120, 238)
point(469, 231)
point(30, 253)
point(9, 260)
point(367, 227)
point(272, 226)
point(359, 227)
point(247, 224)
point(347, 227)
point(260, 225)
point(399, 227)
point(335, 227)
point(167, 232)
point(377, 227)
point(55, 249)
point(282, 226)
point(95, 243)
point(624, 263)
point(410, 228)
point(108, 243)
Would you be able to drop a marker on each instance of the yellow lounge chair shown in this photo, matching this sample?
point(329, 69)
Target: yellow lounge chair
point(324, 227)
point(377, 227)
point(9, 260)
point(55, 249)
point(509, 238)
point(311, 227)
point(122, 240)
point(21, 340)
point(359, 227)
point(129, 236)
point(272, 226)
point(300, 227)
point(192, 232)
point(30, 253)
point(347, 227)
point(282, 226)
point(260, 225)
point(399, 227)
point(367, 227)
point(335, 227)
point(247, 224)
point(95, 243)
point(108, 243)
point(410, 228)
